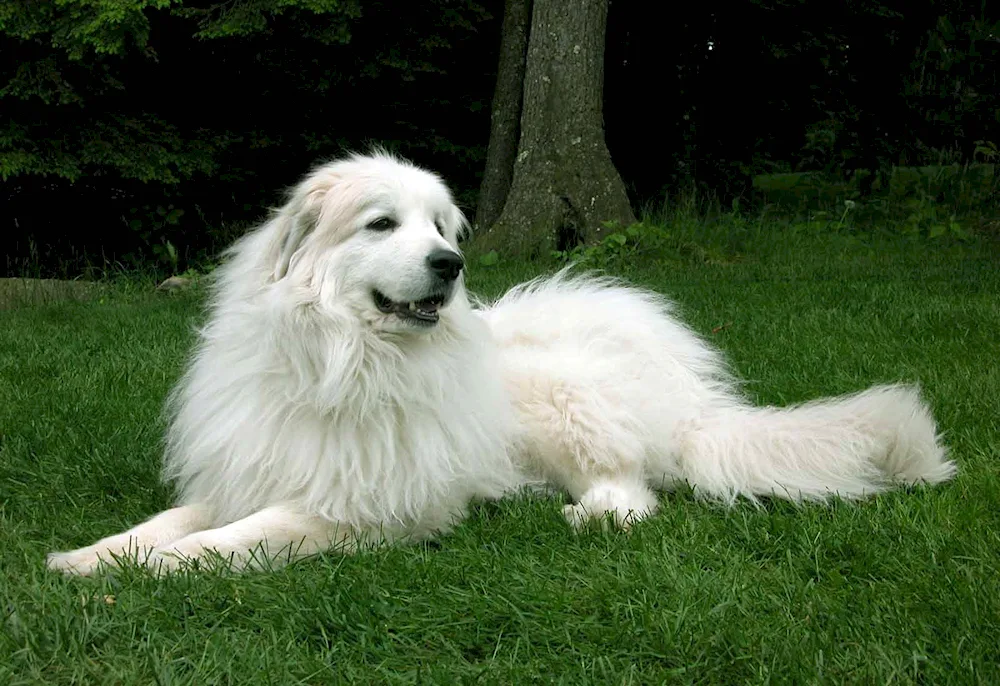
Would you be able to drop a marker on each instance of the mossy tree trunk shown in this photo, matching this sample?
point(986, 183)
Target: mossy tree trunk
point(564, 185)
point(505, 120)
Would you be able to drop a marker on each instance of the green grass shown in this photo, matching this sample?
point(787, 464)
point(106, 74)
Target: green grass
point(904, 588)
point(963, 189)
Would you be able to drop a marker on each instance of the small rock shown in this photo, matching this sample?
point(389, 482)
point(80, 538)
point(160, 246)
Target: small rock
point(174, 283)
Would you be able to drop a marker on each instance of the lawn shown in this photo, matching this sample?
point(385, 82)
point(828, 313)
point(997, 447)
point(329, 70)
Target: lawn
point(902, 588)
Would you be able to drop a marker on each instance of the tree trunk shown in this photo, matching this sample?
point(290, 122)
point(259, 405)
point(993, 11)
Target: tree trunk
point(505, 129)
point(565, 186)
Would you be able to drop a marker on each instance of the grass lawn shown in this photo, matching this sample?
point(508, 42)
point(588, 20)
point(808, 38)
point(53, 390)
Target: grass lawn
point(902, 588)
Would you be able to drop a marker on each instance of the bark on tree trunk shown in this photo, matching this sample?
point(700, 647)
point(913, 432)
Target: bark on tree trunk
point(565, 186)
point(505, 120)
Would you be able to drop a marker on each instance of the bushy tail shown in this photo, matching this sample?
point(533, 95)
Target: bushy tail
point(852, 446)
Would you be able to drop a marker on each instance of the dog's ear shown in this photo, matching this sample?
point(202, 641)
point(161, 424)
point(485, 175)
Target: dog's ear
point(295, 221)
point(459, 223)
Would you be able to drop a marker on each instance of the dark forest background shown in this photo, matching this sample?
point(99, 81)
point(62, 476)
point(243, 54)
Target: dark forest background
point(138, 133)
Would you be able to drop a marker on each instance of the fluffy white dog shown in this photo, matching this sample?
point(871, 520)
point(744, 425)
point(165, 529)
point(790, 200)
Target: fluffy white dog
point(345, 388)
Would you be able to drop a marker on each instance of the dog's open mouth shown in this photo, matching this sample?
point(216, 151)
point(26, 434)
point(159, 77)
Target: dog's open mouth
point(423, 312)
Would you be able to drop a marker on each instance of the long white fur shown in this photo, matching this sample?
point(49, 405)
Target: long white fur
point(308, 419)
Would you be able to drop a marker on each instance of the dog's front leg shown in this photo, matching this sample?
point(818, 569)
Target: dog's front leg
point(269, 538)
point(136, 543)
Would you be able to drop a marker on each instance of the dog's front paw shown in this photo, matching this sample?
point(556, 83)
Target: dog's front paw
point(81, 562)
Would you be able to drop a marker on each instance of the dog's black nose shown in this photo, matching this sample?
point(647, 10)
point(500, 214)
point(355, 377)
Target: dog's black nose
point(445, 263)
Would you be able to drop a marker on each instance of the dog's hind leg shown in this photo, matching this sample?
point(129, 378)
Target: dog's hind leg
point(585, 440)
point(622, 500)
point(136, 543)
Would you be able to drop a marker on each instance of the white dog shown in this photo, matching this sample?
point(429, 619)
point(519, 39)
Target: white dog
point(344, 388)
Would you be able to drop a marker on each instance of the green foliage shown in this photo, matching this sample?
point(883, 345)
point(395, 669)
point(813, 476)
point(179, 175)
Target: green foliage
point(924, 218)
point(140, 147)
point(823, 221)
point(151, 226)
point(70, 53)
point(935, 199)
point(490, 259)
point(81, 94)
point(987, 151)
point(933, 204)
point(215, 105)
point(672, 237)
point(634, 241)
point(242, 18)
point(820, 150)
point(82, 27)
point(214, 108)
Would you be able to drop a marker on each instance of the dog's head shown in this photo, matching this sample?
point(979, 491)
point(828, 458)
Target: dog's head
point(376, 234)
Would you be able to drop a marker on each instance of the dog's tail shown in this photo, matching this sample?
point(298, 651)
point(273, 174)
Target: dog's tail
point(851, 446)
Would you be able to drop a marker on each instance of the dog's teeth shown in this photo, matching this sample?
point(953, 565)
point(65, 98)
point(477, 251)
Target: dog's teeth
point(413, 306)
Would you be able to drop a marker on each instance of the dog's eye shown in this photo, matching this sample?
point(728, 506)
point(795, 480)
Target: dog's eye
point(382, 224)
point(440, 227)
